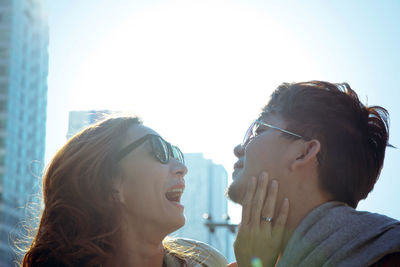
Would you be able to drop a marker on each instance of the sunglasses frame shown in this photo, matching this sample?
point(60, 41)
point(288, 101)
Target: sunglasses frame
point(172, 151)
point(249, 133)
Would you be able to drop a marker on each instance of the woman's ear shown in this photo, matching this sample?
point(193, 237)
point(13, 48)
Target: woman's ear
point(307, 154)
point(118, 196)
point(118, 189)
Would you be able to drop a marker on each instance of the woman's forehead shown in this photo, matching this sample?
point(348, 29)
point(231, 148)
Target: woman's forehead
point(136, 132)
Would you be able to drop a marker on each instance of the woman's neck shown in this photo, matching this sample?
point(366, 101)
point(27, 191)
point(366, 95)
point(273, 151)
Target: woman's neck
point(145, 255)
point(139, 247)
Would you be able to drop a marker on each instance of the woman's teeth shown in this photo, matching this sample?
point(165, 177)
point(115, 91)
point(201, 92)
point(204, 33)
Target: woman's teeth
point(176, 190)
point(174, 194)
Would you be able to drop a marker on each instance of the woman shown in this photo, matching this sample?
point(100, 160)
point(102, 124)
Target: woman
point(111, 196)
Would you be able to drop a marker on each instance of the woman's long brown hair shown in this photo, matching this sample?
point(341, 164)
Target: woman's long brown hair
point(80, 223)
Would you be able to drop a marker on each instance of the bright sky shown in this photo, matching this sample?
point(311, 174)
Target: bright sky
point(198, 72)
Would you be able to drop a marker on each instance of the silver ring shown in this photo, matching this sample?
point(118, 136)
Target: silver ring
point(267, 219)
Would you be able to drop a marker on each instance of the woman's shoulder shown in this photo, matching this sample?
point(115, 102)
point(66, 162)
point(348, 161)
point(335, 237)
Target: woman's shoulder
point(198, 252)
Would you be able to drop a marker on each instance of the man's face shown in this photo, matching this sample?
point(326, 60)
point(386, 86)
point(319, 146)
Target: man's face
point(267, 151)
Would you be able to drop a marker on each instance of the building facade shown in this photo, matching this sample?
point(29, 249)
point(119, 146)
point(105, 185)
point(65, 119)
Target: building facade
point(205, 202)
point(23, 105)
point(78, 120)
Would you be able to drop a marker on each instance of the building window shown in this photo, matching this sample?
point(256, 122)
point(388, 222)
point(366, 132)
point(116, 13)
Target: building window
point(3, 70)
point(5, 2)
point(2, 124)
point(3, 105)
point(3, 86)
point(5, 18)
point(5, 35)
point(4, 52)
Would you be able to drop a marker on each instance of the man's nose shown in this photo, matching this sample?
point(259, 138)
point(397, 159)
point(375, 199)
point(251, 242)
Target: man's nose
point(238, 151)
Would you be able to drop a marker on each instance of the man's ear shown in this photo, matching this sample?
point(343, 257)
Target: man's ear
point(308, 154)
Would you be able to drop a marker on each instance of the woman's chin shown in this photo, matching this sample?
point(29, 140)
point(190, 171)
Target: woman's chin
point(175, 215)
point(177, 223)
point(180, 222)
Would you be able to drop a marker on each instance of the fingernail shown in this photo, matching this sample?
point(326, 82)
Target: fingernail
point(274, 183)
point(285, 201)
point(263, 177)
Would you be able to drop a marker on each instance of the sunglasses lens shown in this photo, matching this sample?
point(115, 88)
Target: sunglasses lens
point(177, 154)
point(249, 134)
point(160, 149)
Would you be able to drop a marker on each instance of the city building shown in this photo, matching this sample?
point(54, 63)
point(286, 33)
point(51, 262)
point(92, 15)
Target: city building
point(80, 119)
point(23, 101)
point(204, 196)
point(205, 203)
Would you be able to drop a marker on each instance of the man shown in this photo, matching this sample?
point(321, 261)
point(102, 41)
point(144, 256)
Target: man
point(326, 150)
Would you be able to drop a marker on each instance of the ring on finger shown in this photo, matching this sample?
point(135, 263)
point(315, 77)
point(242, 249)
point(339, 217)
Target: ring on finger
point(266, 218)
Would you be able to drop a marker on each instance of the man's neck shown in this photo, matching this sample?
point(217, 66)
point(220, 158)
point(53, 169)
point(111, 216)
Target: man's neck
point(299, 209)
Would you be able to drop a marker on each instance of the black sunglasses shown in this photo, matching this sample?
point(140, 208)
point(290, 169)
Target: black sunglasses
point(161, 149)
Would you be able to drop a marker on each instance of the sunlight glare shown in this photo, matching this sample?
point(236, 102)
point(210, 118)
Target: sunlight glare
point(197, 75)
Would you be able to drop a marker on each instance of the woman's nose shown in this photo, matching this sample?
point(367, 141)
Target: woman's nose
point(179, 169)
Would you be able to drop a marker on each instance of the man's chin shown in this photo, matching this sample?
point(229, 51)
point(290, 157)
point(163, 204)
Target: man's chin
point(233, 194)
point(236, 174)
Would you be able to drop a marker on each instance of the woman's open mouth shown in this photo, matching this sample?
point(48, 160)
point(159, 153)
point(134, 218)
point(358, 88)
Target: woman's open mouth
point(174, 194)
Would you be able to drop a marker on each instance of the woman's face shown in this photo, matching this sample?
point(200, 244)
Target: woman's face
point(149, 190)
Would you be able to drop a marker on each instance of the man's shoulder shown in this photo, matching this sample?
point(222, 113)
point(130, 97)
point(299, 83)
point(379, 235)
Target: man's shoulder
point(340, 235)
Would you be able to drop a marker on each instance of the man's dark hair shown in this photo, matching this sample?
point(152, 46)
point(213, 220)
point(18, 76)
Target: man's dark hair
point(353, 137)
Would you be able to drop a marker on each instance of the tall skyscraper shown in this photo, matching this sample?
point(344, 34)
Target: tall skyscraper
point(23, 100)
point(204, 200)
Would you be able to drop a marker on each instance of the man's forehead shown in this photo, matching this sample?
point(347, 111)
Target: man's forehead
point(272, 118)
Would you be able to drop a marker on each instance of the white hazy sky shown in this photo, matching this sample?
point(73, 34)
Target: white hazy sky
point(198, 72)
